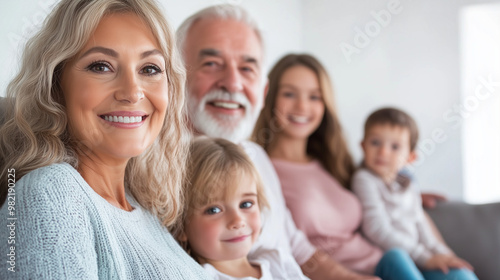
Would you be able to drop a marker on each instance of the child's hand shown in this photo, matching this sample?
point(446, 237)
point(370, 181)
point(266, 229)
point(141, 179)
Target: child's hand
point(362, 277)
point(445, 262)
point(343, 273)
point(351, 275)
point(429, 200)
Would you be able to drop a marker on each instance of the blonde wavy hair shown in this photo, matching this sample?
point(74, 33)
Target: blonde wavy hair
point(213, 167)
point(327, 143)
point(36, 130)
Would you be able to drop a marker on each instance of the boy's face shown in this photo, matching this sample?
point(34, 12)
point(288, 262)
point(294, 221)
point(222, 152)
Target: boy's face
point(226, 229)
point(387, 150)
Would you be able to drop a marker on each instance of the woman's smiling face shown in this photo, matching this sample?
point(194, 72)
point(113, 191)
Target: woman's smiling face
point(299, 102)
point(116, 89)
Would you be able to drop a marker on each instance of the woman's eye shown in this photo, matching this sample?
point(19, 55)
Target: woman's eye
point(151, 70)
point(246, 204)
point(315, 97)
point(395, 147)
point(288, 94)
point(99, 67)
point(212, 210)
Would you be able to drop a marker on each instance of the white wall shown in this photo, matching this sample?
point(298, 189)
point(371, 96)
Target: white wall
point(280, 21)
point(480, 59)
point(413, 62)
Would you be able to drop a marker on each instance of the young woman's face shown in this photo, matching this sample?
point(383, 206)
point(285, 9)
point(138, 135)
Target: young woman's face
point(116, 89)
point(299, 102)
point(226, 229)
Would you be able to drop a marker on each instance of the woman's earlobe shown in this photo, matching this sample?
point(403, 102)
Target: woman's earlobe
point(182, 237)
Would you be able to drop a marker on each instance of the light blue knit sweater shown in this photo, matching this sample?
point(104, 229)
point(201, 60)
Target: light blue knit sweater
point(65, 230)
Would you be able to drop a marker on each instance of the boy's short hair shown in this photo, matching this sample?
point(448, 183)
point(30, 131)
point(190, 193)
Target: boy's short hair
point(213, 168)
point(394, 117)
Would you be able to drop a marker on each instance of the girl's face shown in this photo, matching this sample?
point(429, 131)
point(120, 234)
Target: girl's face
point(226, 229)
point(299, 102)
point(116, 89)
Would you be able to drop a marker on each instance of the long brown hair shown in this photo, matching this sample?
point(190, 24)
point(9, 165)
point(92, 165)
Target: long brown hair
point(327, 143)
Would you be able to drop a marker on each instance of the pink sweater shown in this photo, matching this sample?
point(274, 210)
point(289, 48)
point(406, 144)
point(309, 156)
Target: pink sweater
point(327, 213)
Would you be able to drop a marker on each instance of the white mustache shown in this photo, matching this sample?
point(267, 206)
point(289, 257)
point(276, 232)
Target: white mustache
point(237, 97)
point(232, 128)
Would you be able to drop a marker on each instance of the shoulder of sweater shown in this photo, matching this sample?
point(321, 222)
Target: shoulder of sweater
point(257, 155)
point(252, 147)
point(363, 173)
point(56, 182)
point(249, 143)
point(364, 179)
point(54, 174)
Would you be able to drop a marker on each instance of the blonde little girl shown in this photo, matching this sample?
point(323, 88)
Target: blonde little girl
point(223, 198)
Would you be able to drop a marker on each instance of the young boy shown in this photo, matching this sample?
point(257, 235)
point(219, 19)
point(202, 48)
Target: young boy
point(392, 213)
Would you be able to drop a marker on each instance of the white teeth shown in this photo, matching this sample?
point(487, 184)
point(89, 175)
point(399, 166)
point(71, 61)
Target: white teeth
point(122, 119)
point(227, 105)
point(299, 119)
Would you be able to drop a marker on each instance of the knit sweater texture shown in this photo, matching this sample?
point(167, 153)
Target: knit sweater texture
point(65, 230)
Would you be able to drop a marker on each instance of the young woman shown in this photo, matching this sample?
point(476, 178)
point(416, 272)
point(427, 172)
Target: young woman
point(300, 131)
point(94, 147)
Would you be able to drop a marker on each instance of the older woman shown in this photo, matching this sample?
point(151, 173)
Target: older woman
point(97, 142)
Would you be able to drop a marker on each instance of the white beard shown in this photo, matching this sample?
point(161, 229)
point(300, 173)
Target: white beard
point(232, 128)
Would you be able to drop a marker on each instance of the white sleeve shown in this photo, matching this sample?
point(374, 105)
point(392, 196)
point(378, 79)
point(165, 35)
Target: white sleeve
point(377, 225)
point(426, 236)
point(302, 249)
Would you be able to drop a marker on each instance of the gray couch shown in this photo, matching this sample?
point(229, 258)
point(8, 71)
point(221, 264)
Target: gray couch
point(473, 233)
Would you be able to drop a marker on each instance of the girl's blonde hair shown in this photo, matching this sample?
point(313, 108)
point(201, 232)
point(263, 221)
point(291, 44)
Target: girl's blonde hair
point(36, 130)
point(214, 166)
point(327, 143)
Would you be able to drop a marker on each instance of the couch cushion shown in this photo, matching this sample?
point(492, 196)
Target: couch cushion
point(473, 233)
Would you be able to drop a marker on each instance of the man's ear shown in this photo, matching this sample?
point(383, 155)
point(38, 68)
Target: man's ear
point(412, 157)
point(362, 144)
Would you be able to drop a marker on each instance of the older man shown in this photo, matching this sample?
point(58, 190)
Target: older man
point(223, 53)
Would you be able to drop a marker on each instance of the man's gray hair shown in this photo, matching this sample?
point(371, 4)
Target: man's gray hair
point(223, 11)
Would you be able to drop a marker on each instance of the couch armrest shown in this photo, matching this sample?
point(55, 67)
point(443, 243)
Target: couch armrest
point(473, 233)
